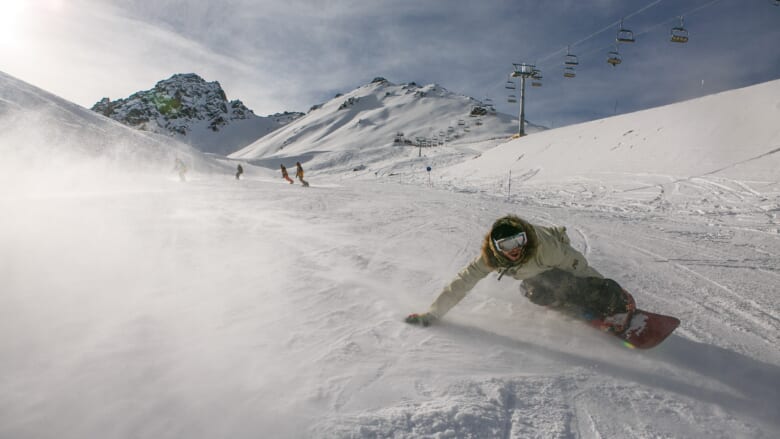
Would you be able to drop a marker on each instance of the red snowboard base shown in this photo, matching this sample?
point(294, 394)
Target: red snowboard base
point(647, 329)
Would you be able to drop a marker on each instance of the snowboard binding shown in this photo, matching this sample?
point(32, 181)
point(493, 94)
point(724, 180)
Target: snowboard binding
point(617, 323)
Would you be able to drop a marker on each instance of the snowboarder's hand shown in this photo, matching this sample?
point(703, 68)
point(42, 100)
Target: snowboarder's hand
point(423, 319)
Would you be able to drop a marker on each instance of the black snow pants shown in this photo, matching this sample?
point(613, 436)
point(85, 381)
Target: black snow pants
point(581, 297)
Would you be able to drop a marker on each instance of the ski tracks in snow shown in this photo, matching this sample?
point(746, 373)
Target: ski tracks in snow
point(665, 263)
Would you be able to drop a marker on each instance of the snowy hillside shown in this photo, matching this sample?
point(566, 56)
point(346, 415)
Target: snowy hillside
point(49, 142)
point(378, 122)
point(253, 308)
point(193, 111)
point(734, 133)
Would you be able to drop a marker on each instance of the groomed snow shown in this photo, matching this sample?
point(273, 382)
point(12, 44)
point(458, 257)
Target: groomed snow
point(135, 305)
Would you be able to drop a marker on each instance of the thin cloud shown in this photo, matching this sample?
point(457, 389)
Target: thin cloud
point(278, 56)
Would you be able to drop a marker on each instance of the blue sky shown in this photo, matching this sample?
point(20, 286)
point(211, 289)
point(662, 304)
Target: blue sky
point(289, 55)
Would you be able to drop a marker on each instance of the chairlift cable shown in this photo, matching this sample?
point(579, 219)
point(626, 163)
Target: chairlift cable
point(675, 18)
point(612, 25)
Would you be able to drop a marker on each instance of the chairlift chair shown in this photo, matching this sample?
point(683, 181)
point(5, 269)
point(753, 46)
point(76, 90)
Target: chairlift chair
point(679, 33)
point(624, 35)
point(569, 72)
point(510, 85)
point(570, 60)
point(614, 58)
point(511, 99)
point(536, 78)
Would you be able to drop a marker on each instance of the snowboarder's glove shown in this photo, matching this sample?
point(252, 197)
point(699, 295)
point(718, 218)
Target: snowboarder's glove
point(423, 319)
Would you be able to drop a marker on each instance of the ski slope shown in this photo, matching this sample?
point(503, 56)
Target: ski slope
point(135, 305)
point(219, 308)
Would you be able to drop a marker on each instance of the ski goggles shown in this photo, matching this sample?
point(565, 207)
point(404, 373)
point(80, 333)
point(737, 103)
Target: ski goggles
point(511, 242)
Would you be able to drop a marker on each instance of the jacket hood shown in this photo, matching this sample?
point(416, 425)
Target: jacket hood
point(495, 258)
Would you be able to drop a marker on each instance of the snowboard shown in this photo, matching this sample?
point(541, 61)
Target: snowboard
point(645, 330)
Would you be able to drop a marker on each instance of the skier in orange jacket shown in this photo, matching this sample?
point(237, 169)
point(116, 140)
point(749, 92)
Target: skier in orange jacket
point(284, 174)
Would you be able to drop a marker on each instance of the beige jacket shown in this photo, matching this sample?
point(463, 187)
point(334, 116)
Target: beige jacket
point(548, 247)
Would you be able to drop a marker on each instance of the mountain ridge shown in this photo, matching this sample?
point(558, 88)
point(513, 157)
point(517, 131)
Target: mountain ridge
point(194, 111)
point(380, 119)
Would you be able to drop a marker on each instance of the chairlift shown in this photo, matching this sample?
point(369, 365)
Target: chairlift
point(679, 33)
point(624, 35)
point(569, 72)
point(536, 78)
point(614, 58)
point(570, 60)
point(510, 85)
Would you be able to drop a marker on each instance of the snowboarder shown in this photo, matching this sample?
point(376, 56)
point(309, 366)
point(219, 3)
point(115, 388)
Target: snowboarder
point(299, 174)
point(239, 171)
point(284, 174)
point(181, 168)
point(553, 273)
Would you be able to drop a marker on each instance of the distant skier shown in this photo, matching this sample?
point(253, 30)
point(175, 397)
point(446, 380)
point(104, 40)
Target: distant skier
point(284, 174)
point(239, 171)
point(553, 273)
point(299, 174)
point(180, 168)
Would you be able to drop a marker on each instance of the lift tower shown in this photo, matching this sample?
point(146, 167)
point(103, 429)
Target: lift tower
point(523, 71)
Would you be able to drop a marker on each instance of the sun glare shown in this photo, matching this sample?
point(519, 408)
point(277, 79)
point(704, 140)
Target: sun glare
point(12, 18)
point(16, 17)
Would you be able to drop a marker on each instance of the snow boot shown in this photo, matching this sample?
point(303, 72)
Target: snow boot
point(620, 321)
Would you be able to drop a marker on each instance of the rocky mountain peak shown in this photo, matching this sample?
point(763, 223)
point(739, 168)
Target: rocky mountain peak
point(174, 104)
point(187, 106)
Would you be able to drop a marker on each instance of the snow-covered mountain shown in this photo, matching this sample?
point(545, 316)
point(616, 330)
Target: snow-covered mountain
point(43, 132)
point(380, 120)
point(194, 111)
